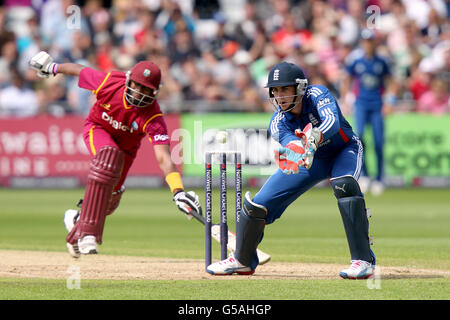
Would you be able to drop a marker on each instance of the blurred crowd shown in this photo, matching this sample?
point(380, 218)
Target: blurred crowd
point(215, 55)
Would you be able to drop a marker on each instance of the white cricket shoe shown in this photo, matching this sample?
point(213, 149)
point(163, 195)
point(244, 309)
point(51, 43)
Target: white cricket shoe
point(359, 269)
point(70, 218)
point(364, 183)
point(87, 245)
point(228, 267)
point(377, 188)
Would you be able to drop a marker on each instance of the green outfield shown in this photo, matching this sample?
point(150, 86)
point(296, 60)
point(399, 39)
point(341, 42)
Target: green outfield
point(410, 229)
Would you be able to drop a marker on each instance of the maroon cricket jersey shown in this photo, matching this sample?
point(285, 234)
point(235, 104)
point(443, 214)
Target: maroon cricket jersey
point(126, 124)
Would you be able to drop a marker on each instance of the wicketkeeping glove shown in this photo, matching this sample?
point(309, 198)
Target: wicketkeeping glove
point(187, 202)
point(289, 158)
point(311, 138)
point(43, 64)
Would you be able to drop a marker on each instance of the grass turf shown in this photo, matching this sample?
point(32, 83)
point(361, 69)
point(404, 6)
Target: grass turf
point(410, 228)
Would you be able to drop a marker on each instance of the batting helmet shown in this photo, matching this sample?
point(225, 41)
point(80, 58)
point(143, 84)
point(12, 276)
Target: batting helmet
point(287, 74)
point(146, 74)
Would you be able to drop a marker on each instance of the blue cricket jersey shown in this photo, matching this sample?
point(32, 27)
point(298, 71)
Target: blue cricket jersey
point(321, 109)
point(369, 75)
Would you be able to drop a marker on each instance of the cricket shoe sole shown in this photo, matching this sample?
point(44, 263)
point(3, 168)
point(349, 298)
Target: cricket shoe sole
point(73, 249)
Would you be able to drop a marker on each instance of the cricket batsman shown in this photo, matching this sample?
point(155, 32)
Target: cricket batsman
point(317, 143)
point(126, 111)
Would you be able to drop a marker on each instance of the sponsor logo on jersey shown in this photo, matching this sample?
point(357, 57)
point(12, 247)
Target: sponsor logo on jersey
point(116, 124)
point(107, 106)
point(323, 102)
point(324, 143)
point(370, 81)
point(313, 119)
point(134, 125)
point(360, 67)
point(160, 137)
point(378, 68)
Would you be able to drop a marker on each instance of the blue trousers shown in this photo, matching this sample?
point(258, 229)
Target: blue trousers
point(280, 190)
point(374, 117)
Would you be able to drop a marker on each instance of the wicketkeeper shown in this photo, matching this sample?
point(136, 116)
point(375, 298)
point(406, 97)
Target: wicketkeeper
point(317, 143)
point(126, 111)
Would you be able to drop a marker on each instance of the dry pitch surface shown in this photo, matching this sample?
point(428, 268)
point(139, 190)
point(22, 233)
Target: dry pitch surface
point(57, 265)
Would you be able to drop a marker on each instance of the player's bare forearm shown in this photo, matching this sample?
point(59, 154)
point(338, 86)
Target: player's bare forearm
point(70, 69)
point(164, 159)
point(162, 154)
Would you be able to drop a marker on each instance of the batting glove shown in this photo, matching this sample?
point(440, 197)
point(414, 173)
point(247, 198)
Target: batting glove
point(43, 64)
point(187, 202)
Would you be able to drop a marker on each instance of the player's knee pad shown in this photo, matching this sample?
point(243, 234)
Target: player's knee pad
point(113, 203)
point(106, 166)
point(345, 186)
point(249, 230)
point(105, 171)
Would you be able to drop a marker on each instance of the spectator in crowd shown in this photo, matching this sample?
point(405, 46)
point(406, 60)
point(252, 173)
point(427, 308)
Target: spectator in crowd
point(171, 91)
point(289, 37)
point(57, 99)
point(242, 89)
point(148, 38)
point(437, 99)
point(59, 22)
point(419, 83)
point(222, 42)
point(9, 56)
point(182, 47)
point(206, 8)
point(16, 100)
point(172, 20)
point(205, 36)
point(187, 74)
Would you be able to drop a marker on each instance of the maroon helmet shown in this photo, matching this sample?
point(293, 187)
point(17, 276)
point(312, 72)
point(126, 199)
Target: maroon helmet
point(147, 74)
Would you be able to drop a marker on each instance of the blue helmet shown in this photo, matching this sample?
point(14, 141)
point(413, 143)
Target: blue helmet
point(287, 74)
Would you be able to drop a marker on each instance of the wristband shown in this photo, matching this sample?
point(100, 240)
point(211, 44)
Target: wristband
point(173, 179)
point(55, 69)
